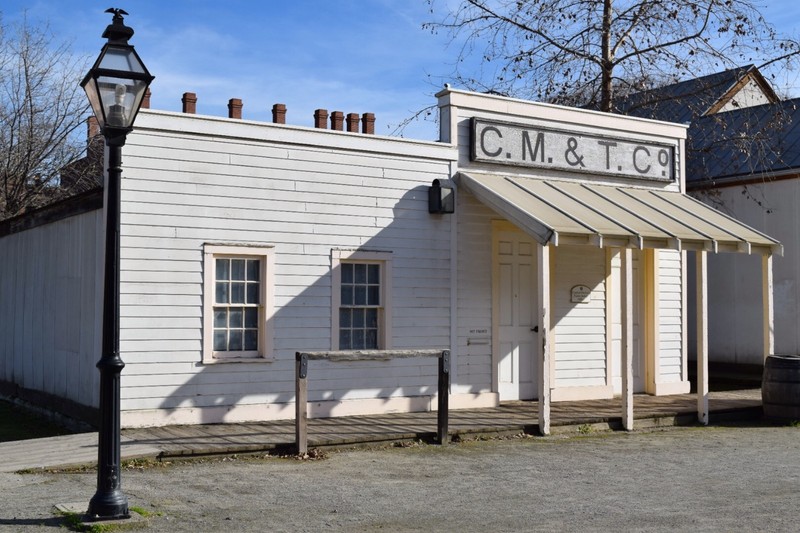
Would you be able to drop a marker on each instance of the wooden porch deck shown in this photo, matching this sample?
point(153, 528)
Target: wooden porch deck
point(508, 418)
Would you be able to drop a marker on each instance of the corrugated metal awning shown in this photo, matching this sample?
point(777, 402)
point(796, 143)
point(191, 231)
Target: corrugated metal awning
point(562, 212)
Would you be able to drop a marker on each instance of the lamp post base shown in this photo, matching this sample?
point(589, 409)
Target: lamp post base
point(109, 505)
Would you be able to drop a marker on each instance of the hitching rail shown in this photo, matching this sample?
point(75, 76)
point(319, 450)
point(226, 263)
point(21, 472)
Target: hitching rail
point(301, 383)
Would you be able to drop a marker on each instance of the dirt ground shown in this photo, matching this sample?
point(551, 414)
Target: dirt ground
point(699, 479)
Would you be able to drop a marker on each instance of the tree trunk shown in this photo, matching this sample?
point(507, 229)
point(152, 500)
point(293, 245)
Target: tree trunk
point(606, 62)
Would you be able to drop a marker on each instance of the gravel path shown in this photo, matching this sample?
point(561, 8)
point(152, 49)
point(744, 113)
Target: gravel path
point(699, 479)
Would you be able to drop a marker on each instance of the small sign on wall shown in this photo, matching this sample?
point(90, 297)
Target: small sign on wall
point(580, 294)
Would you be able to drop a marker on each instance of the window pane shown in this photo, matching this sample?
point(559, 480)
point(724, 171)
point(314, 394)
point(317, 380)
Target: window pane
point(251, 339)
point(223, 272)
point(236, 317)
point(373, 295)
point(222, 292)
point(360, 273)
point(237, 293)
point(358, 318)
point(372, 318)
point(235, 340)
point(252, 293)
point(252, 269)
point(345, 341)
point(358, 339)
point(220, 344)
point(347, 272)
point(251, 317)
point(345, 318)
point(360, 295)
point(373, 274)
point(237, 269)
point(371, 341)
point(220, 318)
point(347, 295)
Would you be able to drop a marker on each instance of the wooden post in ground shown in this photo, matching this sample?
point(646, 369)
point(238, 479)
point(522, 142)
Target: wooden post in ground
point(626, 288)
point(301, 403)
point(768, 305)
point(444, 396)
point(543, 304)
point(702, 336)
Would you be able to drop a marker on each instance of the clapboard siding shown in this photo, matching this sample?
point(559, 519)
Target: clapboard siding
point(304, 193)
point(474, 302)
point(51, 298)
point(579, 329)
point(670, 326)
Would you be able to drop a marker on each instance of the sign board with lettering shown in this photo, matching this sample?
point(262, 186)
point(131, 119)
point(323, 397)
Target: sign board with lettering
point(580, 294)
point(541, 147)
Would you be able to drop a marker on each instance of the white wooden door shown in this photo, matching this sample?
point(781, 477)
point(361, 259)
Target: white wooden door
point(515, 308)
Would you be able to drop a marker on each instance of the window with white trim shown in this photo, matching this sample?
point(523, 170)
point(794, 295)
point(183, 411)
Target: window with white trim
point(361, 310)
point(237, 308)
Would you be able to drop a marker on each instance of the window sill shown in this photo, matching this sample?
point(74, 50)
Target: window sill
point(228, 360)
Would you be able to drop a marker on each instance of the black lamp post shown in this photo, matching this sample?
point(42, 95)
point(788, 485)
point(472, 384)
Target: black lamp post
point(115, 85)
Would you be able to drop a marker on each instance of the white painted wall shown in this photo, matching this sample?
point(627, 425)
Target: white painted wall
point(734, 280)
point(750, 95)
point(579, 329)
point(191, 180)
point(474, 309)
point(51, 304)
point(670, 325)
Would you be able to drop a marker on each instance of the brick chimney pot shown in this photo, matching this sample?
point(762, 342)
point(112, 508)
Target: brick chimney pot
point(321, 118)
point(368, 123)
point(279, 114)
point(235, 108)
point(189, 101)
point(337, 121)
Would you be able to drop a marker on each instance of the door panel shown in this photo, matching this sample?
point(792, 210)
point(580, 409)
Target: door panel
point(515, 305)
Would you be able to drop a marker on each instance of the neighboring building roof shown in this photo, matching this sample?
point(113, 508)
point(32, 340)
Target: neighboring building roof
point(684, 101)
point(753, 140)
point(729, 136)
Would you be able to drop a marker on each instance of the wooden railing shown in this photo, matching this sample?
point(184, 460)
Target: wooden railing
point(301, 384)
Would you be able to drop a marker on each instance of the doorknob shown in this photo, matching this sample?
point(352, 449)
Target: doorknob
point(535, 329)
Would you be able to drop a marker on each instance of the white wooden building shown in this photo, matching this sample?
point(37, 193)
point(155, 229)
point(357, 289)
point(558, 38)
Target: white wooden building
point(743, 156)
point(561, 273)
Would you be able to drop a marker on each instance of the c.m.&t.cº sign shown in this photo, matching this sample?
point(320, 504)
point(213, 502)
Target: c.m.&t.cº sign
point(533, 146)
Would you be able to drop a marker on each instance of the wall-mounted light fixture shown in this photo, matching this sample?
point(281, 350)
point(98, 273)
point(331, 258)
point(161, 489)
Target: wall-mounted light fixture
point(441, 198)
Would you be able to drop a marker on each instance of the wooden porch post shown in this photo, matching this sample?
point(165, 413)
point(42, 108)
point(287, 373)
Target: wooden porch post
point(768, 305)
point(701, 259)
point(626, 287)
point(543, 300)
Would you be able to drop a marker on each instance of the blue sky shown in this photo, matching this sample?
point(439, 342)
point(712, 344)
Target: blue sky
point(346, 55)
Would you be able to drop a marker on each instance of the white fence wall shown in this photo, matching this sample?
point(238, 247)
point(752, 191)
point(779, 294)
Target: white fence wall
point(51, 304)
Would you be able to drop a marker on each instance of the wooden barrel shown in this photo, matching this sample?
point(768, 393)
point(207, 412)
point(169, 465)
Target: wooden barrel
point(780, 387)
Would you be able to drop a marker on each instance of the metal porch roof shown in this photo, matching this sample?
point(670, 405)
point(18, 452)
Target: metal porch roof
point(562, 212)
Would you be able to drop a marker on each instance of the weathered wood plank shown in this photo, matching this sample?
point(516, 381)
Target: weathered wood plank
point(369, 355)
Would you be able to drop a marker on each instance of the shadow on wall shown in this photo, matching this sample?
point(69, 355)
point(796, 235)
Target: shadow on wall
point(419, 244)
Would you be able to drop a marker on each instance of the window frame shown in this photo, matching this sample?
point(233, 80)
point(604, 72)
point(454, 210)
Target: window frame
point(339, 256)
point(266, 255)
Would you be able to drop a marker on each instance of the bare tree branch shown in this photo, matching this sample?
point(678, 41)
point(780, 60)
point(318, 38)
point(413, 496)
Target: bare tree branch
point(42, 111)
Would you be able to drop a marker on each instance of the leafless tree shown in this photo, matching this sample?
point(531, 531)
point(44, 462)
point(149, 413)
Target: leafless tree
point(587, 52)
point(42, 112)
